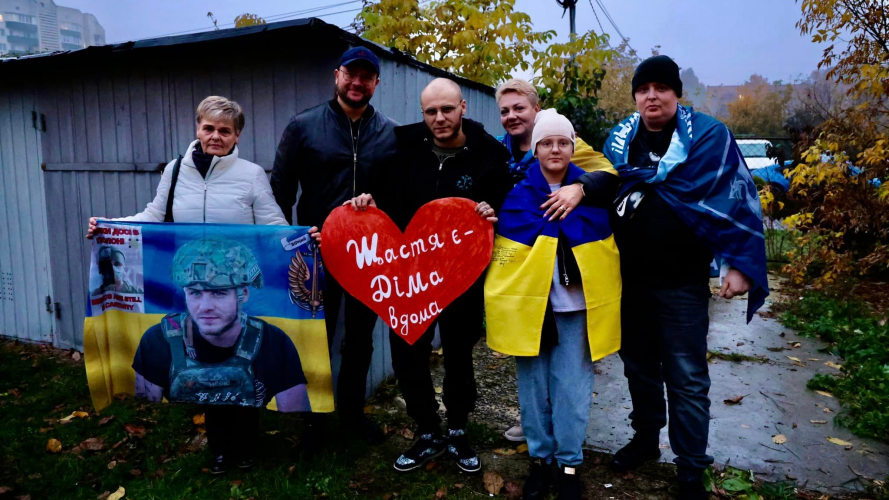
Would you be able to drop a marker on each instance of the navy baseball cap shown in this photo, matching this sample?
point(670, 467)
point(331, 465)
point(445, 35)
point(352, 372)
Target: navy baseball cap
point(360, 54)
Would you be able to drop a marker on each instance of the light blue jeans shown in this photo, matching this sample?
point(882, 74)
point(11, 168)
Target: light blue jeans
point(555, 392)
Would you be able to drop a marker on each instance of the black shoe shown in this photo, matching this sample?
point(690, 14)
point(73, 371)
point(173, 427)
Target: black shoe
point(569, 487)
point(428, 447)
point(363, 428)
point(458, 445)
point(692, 490)
point(540, 478)
point(247, 463)
point(638, 451)
point(218, 465)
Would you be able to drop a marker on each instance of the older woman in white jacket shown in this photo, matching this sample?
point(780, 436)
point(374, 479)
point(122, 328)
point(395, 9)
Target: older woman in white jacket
point(213, 185)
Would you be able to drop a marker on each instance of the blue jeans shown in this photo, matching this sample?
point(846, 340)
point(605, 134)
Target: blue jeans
point(664, 342)
point(555, 392)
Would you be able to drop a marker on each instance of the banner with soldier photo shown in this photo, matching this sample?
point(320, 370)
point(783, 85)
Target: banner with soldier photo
point(215, 314)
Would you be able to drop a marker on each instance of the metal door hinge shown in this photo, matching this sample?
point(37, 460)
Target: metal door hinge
point(49, 304)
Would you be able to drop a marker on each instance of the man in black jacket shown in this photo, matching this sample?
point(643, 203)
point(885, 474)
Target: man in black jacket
point(331, 151)
point(444, 156)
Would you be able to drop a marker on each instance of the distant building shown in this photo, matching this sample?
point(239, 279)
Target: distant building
point(30, 26)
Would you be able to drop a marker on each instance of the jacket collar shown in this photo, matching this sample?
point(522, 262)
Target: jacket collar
point(419, 133)
point(218, 161)
point(334, 105)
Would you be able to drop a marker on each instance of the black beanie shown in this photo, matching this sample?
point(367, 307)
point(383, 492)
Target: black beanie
point(658, 69)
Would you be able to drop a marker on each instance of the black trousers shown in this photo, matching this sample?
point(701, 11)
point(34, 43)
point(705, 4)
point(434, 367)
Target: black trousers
point(232, 431)
point(460, 327)
point(664, 342)
point(356, 350)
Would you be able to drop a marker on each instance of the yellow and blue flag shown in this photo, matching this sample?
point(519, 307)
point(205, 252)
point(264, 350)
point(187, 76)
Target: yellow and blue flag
point(139, 314)
point(521, 272)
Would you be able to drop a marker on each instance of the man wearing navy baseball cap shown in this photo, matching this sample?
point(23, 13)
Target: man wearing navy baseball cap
point(332, 151)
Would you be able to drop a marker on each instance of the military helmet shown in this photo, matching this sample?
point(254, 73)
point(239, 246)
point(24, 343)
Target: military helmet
point(215, 264)
point(112, 254)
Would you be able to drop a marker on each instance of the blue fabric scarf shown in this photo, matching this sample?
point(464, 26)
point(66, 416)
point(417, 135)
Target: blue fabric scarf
point(704, 179)
point(517, 168)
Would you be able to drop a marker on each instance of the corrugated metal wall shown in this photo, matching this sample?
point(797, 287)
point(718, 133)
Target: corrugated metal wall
point(108, 132)
point(24, 264)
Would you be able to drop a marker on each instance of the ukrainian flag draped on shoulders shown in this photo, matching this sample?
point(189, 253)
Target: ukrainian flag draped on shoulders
point(704, 179)
point(521, 272)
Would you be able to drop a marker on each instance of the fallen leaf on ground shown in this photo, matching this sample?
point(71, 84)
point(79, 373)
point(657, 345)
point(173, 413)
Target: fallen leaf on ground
point(734, 401)
point(834, 365)
point(406, 433)
point(106, 420)
point(505, 451)
point(493, 482)
point(458, 485)
point(199, 419)
point(112, 464)
point(441, 493)
point(513, 490)
point(431, 465)
point(818, 421)
point(791, 358)
point(15, 392)
point(794, 425)
point(117, 495)
point(839, 441)
point(369, 409)
point(795, 345)
point(76, 356)
point(522, 448)
point(93, 444)
point(103, 496)
point(500, 355)
point(823, 393)
point(135, 430)
point(136, 472)
point(745, 426)
point(438, 390)
point(35, 476)
point(272, 433)
point(629, 475)
point(76, 414)
point(812, 359)
point(53, 446)
point(5, 489)
point(779, 439)
point(45, 429)
point(827, 410)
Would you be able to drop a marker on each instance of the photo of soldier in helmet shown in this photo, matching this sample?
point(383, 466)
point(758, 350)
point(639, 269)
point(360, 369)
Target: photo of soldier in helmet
point(112, 264)
point(215, 354)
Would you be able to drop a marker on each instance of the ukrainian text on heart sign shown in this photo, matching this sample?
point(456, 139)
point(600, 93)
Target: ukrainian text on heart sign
point(409, 278)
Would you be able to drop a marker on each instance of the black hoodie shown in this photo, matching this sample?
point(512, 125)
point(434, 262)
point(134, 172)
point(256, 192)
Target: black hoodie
point(415, 177)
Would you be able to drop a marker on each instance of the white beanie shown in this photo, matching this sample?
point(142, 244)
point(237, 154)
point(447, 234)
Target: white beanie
point(549, 123)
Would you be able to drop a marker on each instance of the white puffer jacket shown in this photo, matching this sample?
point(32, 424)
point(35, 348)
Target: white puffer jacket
point(234, 192)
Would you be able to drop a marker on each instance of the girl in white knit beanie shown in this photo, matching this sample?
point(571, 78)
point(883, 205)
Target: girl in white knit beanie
point(554, 304)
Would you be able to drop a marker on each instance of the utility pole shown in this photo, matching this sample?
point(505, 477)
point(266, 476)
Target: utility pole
point(569, 6)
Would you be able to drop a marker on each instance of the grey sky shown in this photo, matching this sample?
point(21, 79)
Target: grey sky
point(724, 41)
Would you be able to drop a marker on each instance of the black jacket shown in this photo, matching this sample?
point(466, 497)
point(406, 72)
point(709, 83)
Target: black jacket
point(415, 177)
point(317, 152)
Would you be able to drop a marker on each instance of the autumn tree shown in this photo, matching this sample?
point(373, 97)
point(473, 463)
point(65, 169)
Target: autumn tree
point(616, 94)
point(482, 40)
point(248, 20)
point(487, 41)
point(843, 179)
point(761, 108)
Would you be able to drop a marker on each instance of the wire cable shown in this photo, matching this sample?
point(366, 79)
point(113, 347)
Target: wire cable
point(274, 18)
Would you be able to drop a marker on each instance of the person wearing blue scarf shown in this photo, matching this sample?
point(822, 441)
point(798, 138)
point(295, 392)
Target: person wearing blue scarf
point(686, 196)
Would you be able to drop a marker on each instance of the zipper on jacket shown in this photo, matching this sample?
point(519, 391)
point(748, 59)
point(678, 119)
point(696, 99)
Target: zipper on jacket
point(563, 265)
point(207, 180)
point(355, 155)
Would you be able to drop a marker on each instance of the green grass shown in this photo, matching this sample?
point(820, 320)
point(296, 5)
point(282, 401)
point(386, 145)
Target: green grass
point(861, 338)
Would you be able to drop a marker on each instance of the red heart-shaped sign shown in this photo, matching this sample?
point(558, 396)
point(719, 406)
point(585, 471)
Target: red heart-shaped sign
point(408, 279)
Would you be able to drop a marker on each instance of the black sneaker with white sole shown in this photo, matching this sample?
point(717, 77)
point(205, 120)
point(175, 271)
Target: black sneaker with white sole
point(458, 446)
point(219, 465)
point(428, 447)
